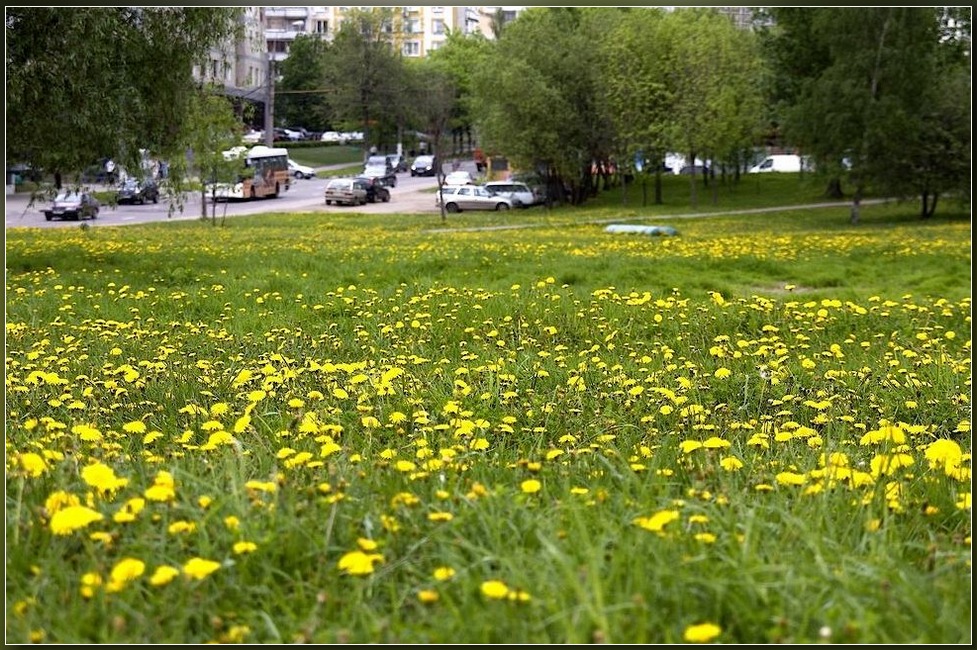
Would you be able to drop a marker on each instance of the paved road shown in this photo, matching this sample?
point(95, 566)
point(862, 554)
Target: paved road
point(412, 195)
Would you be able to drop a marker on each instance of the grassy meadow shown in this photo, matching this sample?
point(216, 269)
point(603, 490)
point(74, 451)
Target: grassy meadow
point(333, 427)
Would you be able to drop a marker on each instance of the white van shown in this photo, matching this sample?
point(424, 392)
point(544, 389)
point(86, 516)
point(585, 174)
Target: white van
point(780, 163)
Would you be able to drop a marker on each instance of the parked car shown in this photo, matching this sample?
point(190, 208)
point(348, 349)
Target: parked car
point(73, 205)
point(398, 162)
point(333, 136)
point(379, 161)
point(375, 190)
point(345, 191)
point(698, 170)
point(382, 172)
point(520, 193)
point(423, 165)
point(459, 178)
point(300, 171)
point(135, 191)
point(458, 198)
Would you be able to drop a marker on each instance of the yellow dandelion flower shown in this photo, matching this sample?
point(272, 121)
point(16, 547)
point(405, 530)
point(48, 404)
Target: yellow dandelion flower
point(70, 519)
point(518, 596)
point(136, 426)
point(443, 573)
point(244, 547)
point(232, 522)
point(440, 516)
point(102, 478)
point(178, 527)
point(495, 589)
point(199, 568)
point(163, 575)
point(688, 446)
point(791, 478)
point(427, 596)
point(531, 486)
point(358, 563)
point(702, 633)
point(127, 569)
point(731, 463)
point(32, 464)
point(656, 523)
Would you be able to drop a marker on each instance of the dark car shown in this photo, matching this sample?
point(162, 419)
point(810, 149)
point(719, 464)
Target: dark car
point(73, 205)
point(135, 191)
point(375, 190)
point(424, 165)
point(386, 176)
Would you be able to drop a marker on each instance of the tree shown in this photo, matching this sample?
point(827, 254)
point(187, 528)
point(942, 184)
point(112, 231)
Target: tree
point(210, 129)
point(96, 82)
point(365, 74)
point(538, 98)
point(300, 92)
point(436, 94)
point(459, 56)
point(637, 97)
point(874, 94)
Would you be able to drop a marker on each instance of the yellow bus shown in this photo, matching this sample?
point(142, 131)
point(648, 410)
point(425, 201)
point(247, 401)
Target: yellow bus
point(265, 175)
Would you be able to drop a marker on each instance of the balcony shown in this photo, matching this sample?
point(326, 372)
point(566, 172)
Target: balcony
point(291, 13)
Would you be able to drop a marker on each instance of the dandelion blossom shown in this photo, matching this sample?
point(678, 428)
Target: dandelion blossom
point(531, 486)
point(495, 589)
point(163, 575)
point(70, 519)
point(358, 563)
point(199, 568)
point(702, 633)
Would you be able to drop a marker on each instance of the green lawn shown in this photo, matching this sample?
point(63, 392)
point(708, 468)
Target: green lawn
point(344, 428)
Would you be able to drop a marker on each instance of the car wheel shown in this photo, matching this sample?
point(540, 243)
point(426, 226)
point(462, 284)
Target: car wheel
point(328, 202)
point(386, 197)
point(452, 208)
point(155, 199)
point(501, 207)
point(48, 217)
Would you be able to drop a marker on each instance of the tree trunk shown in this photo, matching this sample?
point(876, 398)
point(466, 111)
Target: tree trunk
point(856, 205)
point(928, 205)
point(833, 191)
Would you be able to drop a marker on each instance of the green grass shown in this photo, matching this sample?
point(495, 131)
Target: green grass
point(540, 434)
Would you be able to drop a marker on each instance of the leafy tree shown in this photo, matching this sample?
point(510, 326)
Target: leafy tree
point(637, 96)
point(712, 70)
point(459, 56)
point(874, 95)
point(300, 91)
point(365, 73)
point(538, 98)
point(210, 129)
point(93, 82)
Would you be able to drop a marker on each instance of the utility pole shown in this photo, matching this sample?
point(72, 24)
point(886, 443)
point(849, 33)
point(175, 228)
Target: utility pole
point(270, 103)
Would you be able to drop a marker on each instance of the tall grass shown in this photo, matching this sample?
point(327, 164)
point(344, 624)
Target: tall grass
point(339, 428)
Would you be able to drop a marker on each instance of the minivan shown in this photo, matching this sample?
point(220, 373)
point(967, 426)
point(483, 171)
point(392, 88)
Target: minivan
point(780, 163)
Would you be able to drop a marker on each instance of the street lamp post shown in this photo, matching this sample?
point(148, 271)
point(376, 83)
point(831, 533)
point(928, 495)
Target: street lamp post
point(270, 103)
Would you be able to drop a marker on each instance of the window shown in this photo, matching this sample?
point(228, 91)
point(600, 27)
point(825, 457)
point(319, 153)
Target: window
point(437, 26)
point(322, 27)
point(412, 48)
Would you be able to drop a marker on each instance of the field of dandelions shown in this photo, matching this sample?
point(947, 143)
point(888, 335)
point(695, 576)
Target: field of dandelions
point(337, 428)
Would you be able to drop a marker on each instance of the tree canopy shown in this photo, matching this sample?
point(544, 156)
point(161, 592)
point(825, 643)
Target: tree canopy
point(87, 83)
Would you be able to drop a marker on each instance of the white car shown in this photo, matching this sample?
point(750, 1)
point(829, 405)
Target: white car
point(300, 171)
point(459, 178)
point(333, 136)
point(520, 193)
point(470, 197)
